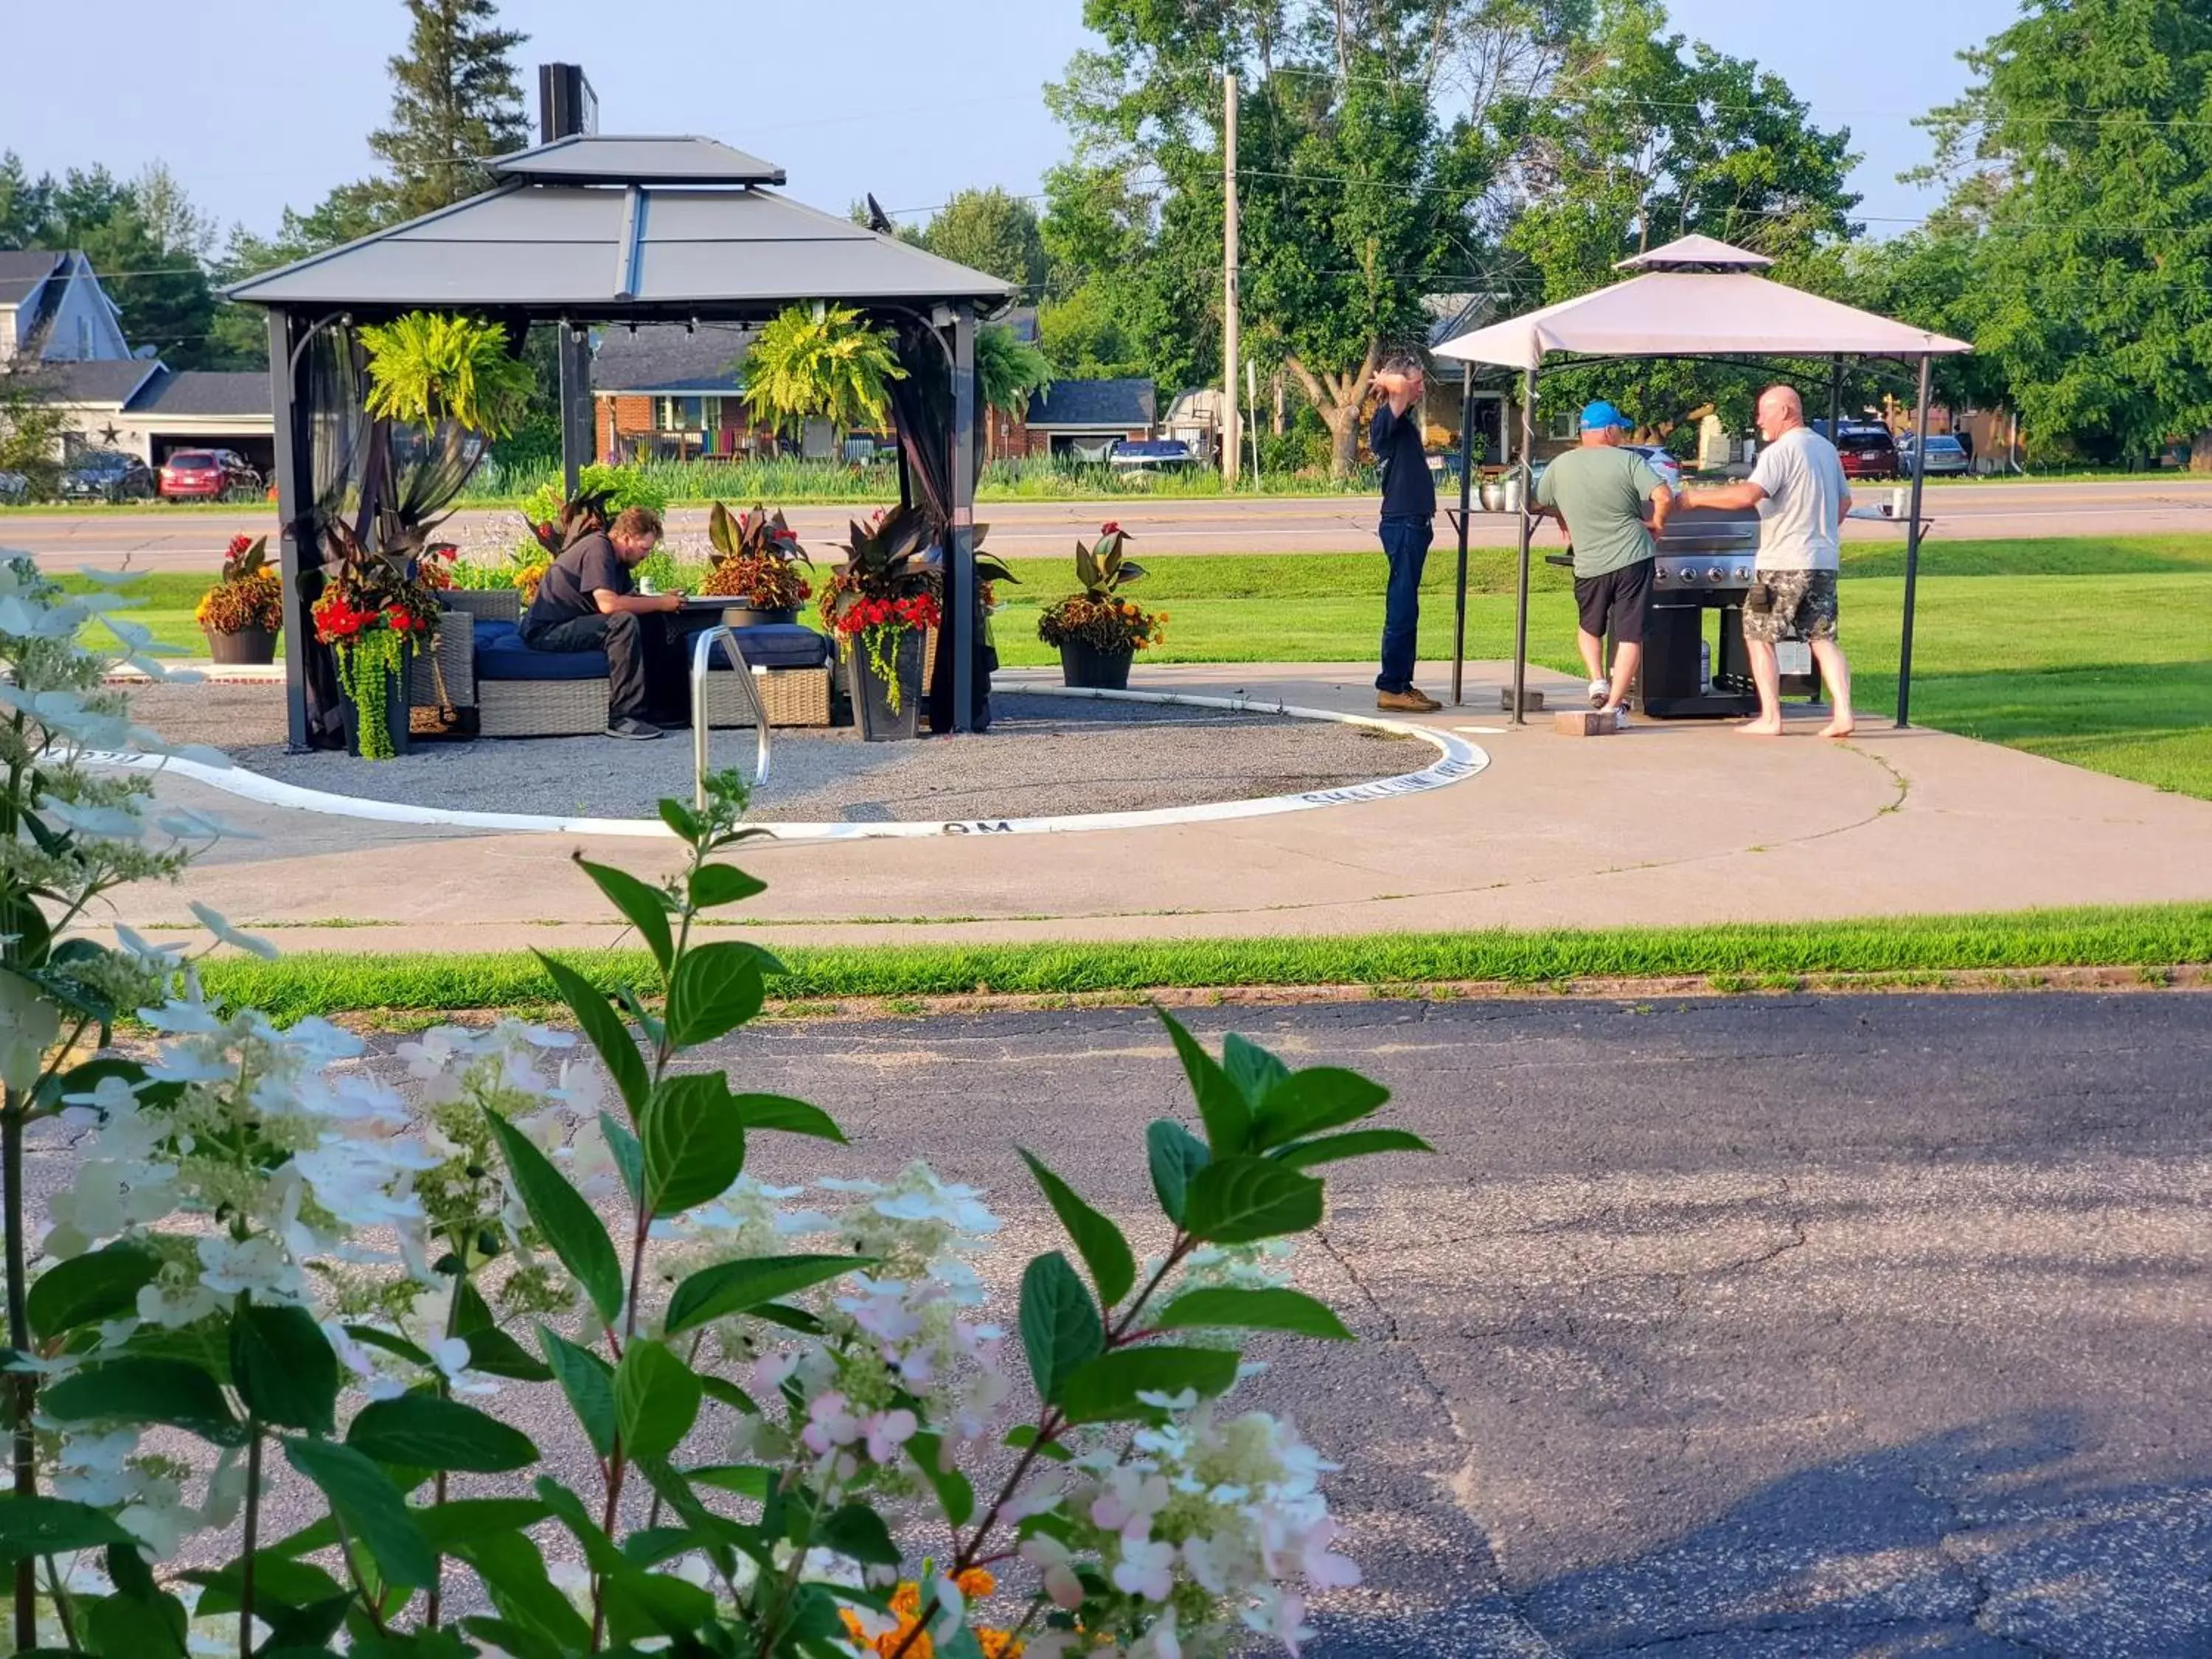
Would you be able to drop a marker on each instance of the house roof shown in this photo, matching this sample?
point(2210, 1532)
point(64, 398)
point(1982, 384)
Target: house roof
point(23, 270)
point(666, 357)
point(626, 245)
point(110, 381)
point(204, 393)
point(1118, 404)
point(1704, 312)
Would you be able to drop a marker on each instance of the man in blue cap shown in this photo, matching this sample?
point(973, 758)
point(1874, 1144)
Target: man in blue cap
point(1598, 492)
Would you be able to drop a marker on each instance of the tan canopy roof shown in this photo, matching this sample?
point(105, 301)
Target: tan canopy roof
point(1683, 306)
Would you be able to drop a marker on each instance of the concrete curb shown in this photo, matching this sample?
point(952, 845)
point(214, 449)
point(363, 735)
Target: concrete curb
point(1458, 760)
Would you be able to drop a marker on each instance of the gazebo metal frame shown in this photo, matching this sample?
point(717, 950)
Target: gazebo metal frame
point(590, 230)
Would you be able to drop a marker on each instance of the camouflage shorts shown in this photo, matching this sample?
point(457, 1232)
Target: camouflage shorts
point(1783, 600)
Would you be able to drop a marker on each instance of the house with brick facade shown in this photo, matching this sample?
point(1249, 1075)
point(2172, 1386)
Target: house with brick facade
point(665, 391)
point(1081, 420)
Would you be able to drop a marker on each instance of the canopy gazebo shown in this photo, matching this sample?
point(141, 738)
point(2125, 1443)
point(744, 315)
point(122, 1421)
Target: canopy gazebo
point(617, 231)
point(1696, 298)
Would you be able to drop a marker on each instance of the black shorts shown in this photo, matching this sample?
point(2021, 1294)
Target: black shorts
point(1619, 597)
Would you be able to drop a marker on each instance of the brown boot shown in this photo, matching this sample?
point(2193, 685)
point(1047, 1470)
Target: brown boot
point(1408, 702)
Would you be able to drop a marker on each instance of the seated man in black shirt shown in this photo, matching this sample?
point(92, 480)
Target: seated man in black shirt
point(587, 603)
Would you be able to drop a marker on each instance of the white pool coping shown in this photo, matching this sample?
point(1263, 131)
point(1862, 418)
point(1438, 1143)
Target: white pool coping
point(1457, 761)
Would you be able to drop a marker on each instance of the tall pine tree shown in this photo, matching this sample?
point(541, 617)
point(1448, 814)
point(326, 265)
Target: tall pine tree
point(454, 102)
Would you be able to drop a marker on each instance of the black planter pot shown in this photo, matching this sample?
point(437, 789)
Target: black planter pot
point(871, 702)
point(247, 644)
point(746, 616)
point(1094, 670)
point(396, 705)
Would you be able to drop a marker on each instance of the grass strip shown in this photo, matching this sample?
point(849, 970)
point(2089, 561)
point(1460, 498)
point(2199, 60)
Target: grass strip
point(330, 982)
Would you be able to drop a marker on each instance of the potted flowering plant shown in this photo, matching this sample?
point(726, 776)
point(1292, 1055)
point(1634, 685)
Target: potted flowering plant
point(756, 561)
point(1097, 631)
point(240, 615)
point(373, 609)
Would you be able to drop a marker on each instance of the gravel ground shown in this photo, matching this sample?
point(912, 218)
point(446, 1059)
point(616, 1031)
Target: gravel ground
point(1045, 756)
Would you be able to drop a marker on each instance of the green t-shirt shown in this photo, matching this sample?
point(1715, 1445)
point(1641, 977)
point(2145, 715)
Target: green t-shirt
point(1601, 492)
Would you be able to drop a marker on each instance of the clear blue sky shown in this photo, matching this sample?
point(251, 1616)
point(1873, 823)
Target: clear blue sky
point(267, 103)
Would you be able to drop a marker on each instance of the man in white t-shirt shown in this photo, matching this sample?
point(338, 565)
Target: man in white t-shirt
point(1798, 487)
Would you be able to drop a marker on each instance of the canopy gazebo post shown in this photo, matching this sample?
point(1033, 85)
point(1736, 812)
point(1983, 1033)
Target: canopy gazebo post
point(1466, 498)
point(292, 470)
point(1912, 546)
point(578, 436)
point(1835, 398)
point(1527, 524)
point(963, 604)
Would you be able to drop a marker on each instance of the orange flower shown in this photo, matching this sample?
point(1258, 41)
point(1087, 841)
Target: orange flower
point(975, 1582)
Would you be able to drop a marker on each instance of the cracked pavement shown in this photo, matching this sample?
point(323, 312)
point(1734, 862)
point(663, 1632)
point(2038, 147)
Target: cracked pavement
point(1802, 1326)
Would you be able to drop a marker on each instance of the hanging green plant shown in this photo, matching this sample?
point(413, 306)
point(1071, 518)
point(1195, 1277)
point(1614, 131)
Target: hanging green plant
point(433, 366)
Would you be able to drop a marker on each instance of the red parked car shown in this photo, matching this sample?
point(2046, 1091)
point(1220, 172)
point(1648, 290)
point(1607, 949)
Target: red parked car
point(1867, 451)
point(207, 475)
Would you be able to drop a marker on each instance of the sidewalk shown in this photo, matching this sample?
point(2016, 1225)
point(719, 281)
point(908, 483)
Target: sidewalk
point(1665, 824)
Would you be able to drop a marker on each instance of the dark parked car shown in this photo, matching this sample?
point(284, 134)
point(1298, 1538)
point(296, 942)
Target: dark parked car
point(208, 475)
point(107, 474)
point(1867, 451)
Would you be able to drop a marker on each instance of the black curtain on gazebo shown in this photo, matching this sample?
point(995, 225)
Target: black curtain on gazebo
point(921, 409)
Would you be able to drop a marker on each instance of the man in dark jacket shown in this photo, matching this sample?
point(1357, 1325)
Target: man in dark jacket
point(1409, 511)
point(588, 602)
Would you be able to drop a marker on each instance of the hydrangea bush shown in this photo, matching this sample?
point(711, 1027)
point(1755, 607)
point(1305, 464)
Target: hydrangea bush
point(810, 1430)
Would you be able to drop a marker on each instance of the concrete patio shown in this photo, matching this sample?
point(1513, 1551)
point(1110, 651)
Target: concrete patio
point(1668, 824)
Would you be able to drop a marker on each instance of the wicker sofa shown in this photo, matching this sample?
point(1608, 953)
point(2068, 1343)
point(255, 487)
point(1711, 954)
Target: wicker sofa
point(520, 693)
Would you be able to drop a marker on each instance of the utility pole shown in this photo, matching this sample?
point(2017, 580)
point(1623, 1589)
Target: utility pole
point(1232, 342)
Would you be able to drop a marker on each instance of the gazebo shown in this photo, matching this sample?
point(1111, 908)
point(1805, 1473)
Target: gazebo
point(615, 231)
point(1696, 298)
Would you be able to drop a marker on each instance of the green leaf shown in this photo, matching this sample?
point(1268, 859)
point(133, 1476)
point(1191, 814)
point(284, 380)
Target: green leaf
point(746, 1480)
point(48, 1526)
point(1239, 1199)
point(1104, 1251)
point(715, 885)
point(1105, 1390)
point(457, 1518)
point(793, 1117)
point(857, 1530)
point(1320, 1098)
point(589, 1382)
point(370, 1335)
point(513, 1574)
point(1176, 1155)
point(695, 1146)
point(373, 1508)
point(729, 1393)
point(283, 1367)
point(277, 1579)
point(1251, 1068)
point(420, 1430)
point(130, 1627)
point(1272, 1309)
point(1360, 1143)
point(656, 1399)
point(731, 1287)
point(956, 1494)
point(600, 1022)
point(1061, 1328)
point(687, 824)
point(716, 989)
point(571, 1228)
point(87, 1289)
point(133, 1391)
point(629, 1156)
point(495, 1353)
point(646, 908)
point(1220, 1102)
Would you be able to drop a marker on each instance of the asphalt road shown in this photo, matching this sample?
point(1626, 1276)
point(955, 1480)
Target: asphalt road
point(167, 540)
point(1803, 1326)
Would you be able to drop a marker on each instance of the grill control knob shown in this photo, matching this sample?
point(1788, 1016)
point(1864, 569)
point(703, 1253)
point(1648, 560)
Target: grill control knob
point(1716, 575)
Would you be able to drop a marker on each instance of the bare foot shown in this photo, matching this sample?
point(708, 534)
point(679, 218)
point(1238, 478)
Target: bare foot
point(1761, 729)
point(1841, 727)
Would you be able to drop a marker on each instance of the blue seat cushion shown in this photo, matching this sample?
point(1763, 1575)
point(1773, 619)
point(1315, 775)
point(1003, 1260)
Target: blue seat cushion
point(502, 655)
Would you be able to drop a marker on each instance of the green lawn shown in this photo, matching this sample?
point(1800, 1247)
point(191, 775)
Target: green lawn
point(2090, 650)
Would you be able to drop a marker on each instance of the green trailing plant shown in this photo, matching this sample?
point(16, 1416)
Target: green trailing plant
point(819, 363)
point(892, 584)
point(780, 1402)
point(1007, 371)
point(430, 366)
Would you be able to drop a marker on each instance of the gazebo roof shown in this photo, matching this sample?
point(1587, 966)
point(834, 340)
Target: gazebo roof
point(623, 226)
point(1696, 298)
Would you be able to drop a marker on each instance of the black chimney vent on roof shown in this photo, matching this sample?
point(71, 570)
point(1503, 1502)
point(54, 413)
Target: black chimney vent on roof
point(567, 107)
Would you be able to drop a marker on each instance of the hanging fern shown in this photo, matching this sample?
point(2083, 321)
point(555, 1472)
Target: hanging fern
point(433, 366)
point(1007, 370)
point(833, 367)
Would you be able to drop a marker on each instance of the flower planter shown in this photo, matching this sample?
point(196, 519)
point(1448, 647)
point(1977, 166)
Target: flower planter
point(396, 703)
point(246, 645)
point(871, 696)
point(1094, 670)
point(749, 615)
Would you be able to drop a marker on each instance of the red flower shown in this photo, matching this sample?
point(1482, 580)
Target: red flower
point(1109, 528)
point(238, 545)
point(400, 621)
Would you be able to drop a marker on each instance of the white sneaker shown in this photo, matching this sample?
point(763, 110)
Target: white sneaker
point(1620, 717)
point(1599, 692)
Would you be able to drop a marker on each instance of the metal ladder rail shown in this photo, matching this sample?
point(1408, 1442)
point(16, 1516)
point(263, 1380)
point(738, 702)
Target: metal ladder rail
point(703, 645)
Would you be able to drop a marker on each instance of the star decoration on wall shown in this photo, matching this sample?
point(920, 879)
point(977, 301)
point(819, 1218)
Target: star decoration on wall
point(108, 435)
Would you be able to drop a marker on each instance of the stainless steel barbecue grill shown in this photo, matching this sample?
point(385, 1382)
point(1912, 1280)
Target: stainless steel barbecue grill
point(1704, 563)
